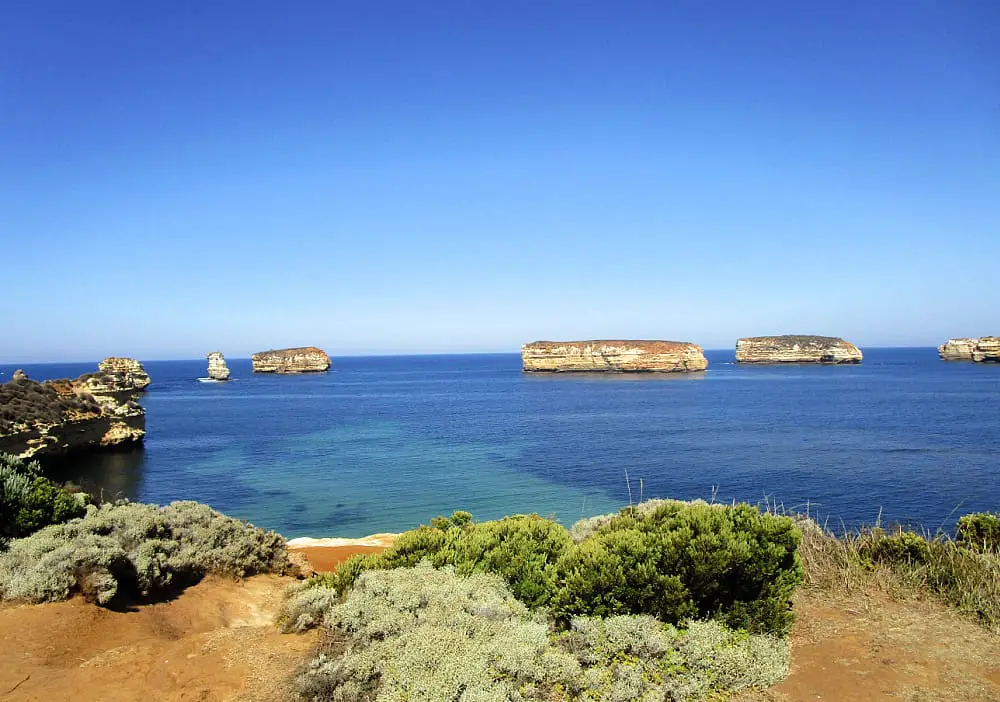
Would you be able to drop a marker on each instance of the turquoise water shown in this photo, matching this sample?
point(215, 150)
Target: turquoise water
point(385, 443)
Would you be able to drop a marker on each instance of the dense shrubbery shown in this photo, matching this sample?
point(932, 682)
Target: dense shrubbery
point(29, 501)
point(426, 634)
point(26, 401)
point(120, 552)
point(524, 550)
point(674, 560)
point(980, 532)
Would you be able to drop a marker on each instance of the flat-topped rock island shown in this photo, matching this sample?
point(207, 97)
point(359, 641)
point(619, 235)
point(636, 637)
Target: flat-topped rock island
point(615, 356)
point(794, 348)
point(303, 359)
point(982, 350)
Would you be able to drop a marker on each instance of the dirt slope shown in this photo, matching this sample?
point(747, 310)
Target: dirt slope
point(214, 642)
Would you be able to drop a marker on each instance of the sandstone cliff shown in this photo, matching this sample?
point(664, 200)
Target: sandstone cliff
point(306, 359)
point(983, 350)
point(58, 417)
point(615, 356)
point(217, 368)
point(796, 349)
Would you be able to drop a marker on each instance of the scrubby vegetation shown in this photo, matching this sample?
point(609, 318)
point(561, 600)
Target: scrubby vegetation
point(427, 634)
point(26, 402)
point(964, 571)
point(118, 553)
point(29, 501)
point(666, 600)
point(674, 560)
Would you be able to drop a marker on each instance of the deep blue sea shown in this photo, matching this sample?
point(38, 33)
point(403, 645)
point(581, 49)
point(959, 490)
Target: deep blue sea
point(384, 443)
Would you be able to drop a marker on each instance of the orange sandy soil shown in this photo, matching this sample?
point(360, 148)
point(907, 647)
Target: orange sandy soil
point(216, 641)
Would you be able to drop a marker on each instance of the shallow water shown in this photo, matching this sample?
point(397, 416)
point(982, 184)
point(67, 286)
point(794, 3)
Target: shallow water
point(384, 443)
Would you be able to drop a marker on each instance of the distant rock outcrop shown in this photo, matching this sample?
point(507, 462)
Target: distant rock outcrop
point(306, 359)
point(796, 349)
point(614, 356)
point(983, 350)
point(217, 368)
point(58, 417)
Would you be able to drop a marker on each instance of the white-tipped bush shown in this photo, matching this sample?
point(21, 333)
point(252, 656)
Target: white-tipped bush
point(123, 551)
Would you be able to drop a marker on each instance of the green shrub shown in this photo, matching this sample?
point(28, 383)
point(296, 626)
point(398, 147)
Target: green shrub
point(29, 501)
point(979, 532)
point(422, 634)
point(120, 552)
point(678, 560)
point(900, 547)
point(522, 549)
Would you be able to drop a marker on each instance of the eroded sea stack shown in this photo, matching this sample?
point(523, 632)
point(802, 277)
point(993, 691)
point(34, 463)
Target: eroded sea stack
point(55, 418)
point(217, 368)
point(612, 356)
point(796, 349)
point(982, 350)
point(305, 359)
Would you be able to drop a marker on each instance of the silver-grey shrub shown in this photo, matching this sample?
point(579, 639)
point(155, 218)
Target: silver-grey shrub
point(118, 552)
point(421, 634)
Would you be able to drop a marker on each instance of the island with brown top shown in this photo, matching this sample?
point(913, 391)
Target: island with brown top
point(985, 349)
point(622, 356)
point(304, 359)
point(796, 348)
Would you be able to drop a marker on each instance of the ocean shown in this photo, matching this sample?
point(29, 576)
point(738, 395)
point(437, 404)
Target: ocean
point(385, 443)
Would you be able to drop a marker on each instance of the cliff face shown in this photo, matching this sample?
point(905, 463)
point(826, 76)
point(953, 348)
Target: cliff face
point(59, 417)
point(217, 368)
point(615, 356)
point(983, 350)
point(307, 359)
point(796, 349)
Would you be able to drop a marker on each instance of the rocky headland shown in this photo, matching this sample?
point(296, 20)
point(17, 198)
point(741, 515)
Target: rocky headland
point(52, 419)
point(305, 359)
point(796, 349)
point(612, 356)
point(982, 350)
point(217, 368)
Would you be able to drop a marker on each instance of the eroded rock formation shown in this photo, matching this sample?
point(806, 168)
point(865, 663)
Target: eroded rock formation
point(983, 350)
point(615, 356)
point(58, 417)
point(217, 368)
point(305, 359)
point(796, 349)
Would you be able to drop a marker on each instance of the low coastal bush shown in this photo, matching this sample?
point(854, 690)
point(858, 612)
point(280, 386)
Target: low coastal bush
point(523, 549)
point(679, 560)
point(29, 501)
point(425, 634)
point(963, 572)
point(120, 552)
point(24, 402)
point(979, 532)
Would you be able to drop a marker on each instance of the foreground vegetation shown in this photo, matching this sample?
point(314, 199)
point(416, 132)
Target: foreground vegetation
point(663, 601)
point(30, 501)
point(963, 571)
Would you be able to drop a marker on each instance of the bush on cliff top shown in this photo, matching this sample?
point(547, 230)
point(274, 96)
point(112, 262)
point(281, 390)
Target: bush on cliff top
point(678, 560)
point(979, 532)
point(674, 560)
point(423, 634)
point(29, 501)
point(27, 402)
point(121, 552)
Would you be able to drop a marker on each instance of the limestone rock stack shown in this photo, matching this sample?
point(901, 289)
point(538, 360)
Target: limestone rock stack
point(613, 356)
point(983, 350)
point(217, 368)
point(796, 349)
point(306, 359)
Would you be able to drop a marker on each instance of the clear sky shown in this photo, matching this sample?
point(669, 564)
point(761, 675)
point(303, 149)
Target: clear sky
point(378, 177)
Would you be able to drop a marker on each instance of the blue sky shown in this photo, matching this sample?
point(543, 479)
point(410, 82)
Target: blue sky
point(377, 177)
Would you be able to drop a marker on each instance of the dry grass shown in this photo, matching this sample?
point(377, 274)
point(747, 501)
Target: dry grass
point(903, 565)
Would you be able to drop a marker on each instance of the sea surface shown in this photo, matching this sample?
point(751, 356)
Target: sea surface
point(385, 443)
